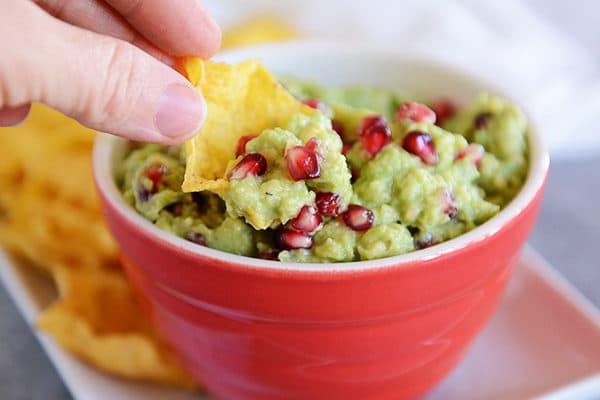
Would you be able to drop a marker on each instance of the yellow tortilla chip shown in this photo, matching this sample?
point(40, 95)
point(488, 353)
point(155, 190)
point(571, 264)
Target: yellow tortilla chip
point(242, 99)
point(259, 29)
point(190, 67)
point(50, 217)
point(96, 319)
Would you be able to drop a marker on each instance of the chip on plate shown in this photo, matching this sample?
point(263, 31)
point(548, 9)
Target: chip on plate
point(95, 318)
point(242, 99)
point(50, 215)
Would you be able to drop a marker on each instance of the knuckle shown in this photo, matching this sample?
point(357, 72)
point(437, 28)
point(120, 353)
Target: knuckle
point(53, 7)
point(121, 84)
point(130, 7)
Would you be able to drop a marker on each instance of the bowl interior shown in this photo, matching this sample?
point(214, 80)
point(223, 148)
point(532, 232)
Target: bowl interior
point(336, 64)
point(344, 64)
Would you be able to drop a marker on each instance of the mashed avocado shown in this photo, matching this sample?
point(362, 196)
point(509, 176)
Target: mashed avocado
point(371, 175)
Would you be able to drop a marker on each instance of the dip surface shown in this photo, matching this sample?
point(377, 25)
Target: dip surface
point(370, 175)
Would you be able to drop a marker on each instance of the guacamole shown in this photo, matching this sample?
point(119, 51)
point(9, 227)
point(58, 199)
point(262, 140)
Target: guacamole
point(370, 175)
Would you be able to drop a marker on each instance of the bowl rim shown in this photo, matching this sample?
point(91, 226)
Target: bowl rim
point(538, 166)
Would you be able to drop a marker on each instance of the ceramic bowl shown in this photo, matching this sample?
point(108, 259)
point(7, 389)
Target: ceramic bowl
point(382, 329)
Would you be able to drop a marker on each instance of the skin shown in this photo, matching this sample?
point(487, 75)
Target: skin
point(106, 63)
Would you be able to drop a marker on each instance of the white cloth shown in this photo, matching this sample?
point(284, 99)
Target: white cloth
point(552, 76)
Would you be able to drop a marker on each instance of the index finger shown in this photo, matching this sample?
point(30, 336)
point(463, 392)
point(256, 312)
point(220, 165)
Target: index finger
point(179, 27)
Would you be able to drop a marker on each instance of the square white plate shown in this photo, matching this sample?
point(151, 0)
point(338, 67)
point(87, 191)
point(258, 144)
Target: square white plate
point(544, 342)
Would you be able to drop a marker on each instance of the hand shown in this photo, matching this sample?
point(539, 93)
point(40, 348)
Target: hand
point(105, 63)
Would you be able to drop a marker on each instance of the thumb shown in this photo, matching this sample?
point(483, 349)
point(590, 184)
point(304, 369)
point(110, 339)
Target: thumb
point(104, 83)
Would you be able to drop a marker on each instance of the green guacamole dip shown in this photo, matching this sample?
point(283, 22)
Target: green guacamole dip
point(383, 179)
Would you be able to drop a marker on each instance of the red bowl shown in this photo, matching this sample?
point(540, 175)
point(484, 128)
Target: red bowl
point(381, 329)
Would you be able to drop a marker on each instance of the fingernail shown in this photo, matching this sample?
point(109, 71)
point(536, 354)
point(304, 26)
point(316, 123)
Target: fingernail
point(180, 111)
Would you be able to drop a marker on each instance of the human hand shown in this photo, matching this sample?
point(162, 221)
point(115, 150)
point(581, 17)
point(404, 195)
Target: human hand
point(105, 63)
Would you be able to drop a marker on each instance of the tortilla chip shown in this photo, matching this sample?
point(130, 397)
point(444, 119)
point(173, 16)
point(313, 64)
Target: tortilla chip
point(190, 67)
point(258, 30)
point(242, 99)
point(96, 319)
point(50, 217)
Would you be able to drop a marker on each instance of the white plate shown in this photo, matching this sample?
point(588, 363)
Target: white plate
point(543, 342)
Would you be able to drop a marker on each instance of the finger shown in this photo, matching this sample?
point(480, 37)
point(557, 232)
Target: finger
point(105, 83)
point(12, 116)
point(179, 27)
point(97, 16)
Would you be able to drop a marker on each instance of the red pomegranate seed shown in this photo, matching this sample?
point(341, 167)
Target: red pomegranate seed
point(176, 209)
point(374, 133)
point(346, 148)
point(307, 220)
point(155, 173)
point(448, 204)
point(289, 239)
point(443, 109)
point(474, 151)
point(328, 204)
point(251, 164)
point(371, 121)
point(314, 103)
point(482, 120)
point(358, 218)
point(313, 145)
point(303, 161)
point(426, 242)
point(196, 237)
point(269, 254)
point(415, 112)
point(339, 129)
point(420, 144)
point(241, 146)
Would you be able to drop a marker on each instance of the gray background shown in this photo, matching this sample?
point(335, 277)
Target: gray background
point(567, 234)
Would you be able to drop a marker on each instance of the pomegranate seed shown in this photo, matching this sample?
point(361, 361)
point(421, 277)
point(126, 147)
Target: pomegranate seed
point(251, 164)
point(339, 129)
point(314, 103)
point(328, 204)
point(313, 145)
point(143, 193)
point(196, 237)
point(289, 239)
point(269, 254)
point(425, 242)
point(374, 133)
point(474, 151)
point(420, 144)
point(241, 146)
point(346, 148)
point(415, 112)
point(443, 109)
point(307, 220)
point(303, 161)
point(155, 174)
point(176, 209)
point(448, 204)
point(482, 120)
point(370, 121)
point(358, 218)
